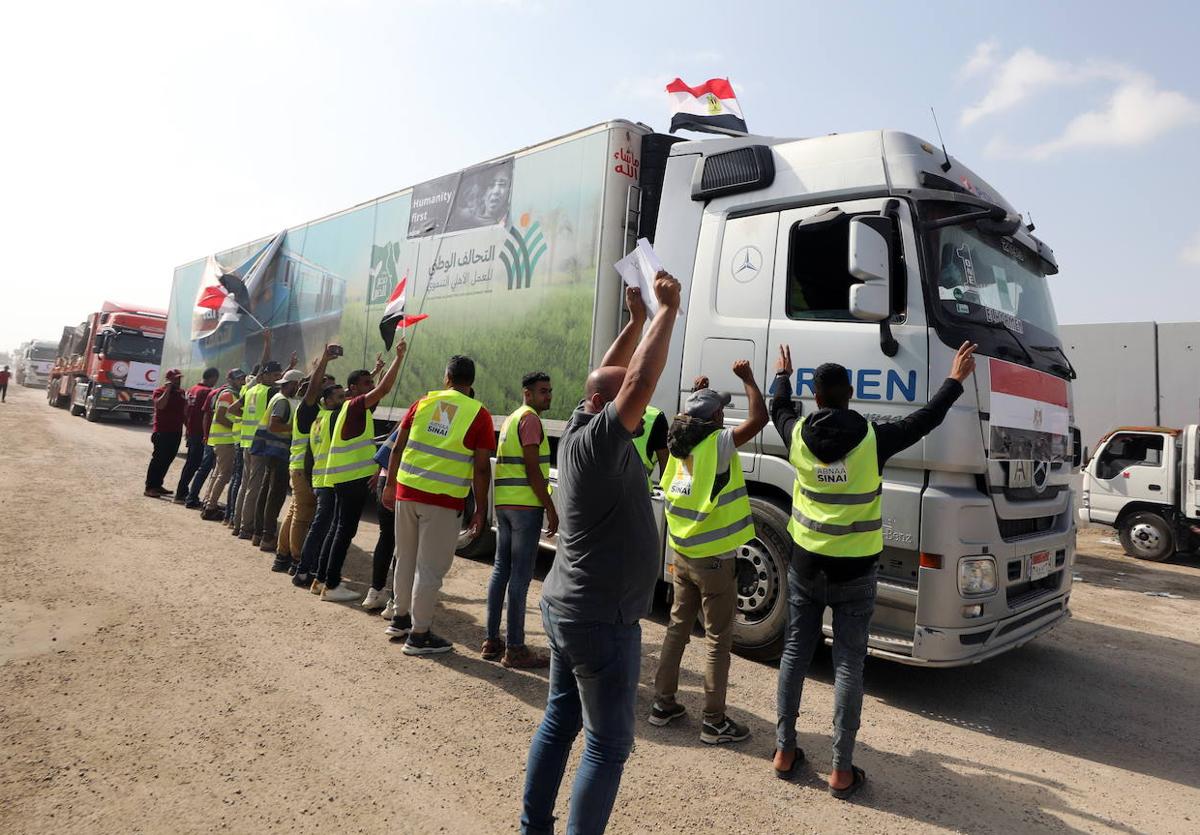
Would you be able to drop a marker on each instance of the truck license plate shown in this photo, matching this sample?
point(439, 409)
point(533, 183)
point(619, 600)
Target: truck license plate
point(1040, 565)
point(1020, 473)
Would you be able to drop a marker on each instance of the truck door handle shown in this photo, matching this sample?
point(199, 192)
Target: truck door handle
point(1155, 487)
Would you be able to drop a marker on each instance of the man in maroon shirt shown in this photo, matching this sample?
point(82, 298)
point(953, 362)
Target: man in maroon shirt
point(193, 421)
point(167, 431)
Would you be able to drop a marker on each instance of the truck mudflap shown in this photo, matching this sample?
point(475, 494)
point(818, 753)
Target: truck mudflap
point(942, 647)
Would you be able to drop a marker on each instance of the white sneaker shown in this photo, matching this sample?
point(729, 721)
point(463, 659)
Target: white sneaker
point(375, 599)
point(341, 594)
point(389, 611)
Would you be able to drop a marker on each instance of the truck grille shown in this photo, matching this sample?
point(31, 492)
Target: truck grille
point(1019, 528)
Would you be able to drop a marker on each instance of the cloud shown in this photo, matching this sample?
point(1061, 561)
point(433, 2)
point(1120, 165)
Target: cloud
point(1190, 254)
point(1136, 112)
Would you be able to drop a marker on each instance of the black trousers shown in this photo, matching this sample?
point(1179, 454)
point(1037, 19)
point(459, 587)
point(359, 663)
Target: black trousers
point(3, 392)
point(166, 445)
point(195, 455)
point(351, 497)
point(271, 497)
point(385, 546)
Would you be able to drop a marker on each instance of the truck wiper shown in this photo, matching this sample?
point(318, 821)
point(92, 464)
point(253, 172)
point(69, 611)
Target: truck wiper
point(1070, 369)
point(1001, 325)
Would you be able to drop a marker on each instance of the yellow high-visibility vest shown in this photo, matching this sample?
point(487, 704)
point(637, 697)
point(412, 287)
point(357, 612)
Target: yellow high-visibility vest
point(436, 458)
point(319, 440)
point(837, 508)
point(700, 524)
point(355, 458)
point(512, 482)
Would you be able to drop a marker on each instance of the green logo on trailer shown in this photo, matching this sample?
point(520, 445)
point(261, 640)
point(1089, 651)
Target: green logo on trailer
point(522, 251)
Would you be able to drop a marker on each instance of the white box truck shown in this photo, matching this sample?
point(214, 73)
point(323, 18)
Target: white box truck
point(512, 259)
point(1145, 482)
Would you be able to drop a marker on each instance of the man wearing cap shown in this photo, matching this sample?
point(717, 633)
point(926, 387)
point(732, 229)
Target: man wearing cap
point(193, 421)
point(294, 529)
point(708, 518)
point(273, 440)
point(223, 441)
point(166, 432)
point(837, 535)
point(253, 412)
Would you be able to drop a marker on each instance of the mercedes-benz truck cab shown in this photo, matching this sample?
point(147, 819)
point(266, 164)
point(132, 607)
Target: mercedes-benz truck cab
point(876, 251)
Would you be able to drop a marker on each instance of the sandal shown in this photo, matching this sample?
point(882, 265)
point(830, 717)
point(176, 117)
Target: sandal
point(790, 771)
point(860, 779)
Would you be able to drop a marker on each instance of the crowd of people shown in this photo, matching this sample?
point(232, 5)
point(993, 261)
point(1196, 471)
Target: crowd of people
point(260, 436)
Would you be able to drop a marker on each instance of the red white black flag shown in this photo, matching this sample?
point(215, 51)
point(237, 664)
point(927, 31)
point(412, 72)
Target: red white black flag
point(711, 107)
point(394, 315)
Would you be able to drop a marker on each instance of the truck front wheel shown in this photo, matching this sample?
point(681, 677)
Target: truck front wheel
point(1147, 536)
point(762, 605)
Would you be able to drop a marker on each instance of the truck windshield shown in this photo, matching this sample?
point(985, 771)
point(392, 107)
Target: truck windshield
point(134, 346)
point(43, 354)
point(987, 283)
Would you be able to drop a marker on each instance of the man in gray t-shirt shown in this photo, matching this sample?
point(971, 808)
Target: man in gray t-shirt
point(603, 577)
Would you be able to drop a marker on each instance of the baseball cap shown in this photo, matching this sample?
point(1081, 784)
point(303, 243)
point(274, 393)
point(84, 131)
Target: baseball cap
point(234, 373)
point(271, 367)
point(705, 403)
point(174, 373)
point(293, 375)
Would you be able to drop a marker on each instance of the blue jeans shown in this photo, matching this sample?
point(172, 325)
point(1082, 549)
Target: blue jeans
point(318, 531)
point(853, 603)
point(235, 481)
point(206, 467)
point(594, 670)
point(517, 533)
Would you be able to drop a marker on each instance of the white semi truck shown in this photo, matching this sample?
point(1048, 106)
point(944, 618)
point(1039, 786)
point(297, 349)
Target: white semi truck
point(872, 249)
point(34, 360)
point(1145, 482)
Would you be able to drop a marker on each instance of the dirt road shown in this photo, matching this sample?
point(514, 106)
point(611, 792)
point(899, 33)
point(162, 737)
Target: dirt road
point(156, 677)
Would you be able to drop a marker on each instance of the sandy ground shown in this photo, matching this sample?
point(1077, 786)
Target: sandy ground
point(156, 677)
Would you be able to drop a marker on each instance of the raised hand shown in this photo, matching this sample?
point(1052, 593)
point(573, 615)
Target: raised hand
point(700, 382)
point(784, 363)
point(964, 362)
point(401, 348)
point(378, 365)
point(743, 371)
point(666, 290)
point(634, 303)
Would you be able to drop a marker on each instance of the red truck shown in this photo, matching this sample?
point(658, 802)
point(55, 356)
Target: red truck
point(108, 364)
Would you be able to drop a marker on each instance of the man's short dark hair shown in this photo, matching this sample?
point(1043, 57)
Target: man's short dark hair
point(329, 379)
point(460, 371)
point(328, 390)
point(831, 383)
point(355, 376)
point(211, 374)
point(533, 378)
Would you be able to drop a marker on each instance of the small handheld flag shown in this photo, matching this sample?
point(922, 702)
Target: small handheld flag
point(711, 107)
point(394, 315)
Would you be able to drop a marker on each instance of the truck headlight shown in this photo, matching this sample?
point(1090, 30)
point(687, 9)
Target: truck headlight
point(976, 575)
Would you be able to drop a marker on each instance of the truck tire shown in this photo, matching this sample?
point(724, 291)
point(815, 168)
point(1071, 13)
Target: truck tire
point(1147, 536)
point(762, 605)
point(76, 410)
point(484, 545)
point(89, 412)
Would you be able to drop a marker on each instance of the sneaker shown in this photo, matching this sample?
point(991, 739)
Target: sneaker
point(151, 494)
point(212, 515)
point(389, 611)
point(194, 505)
point(715, 733)
point(281, 564)
point(302, 581)
point(401, 626)
point(269, 544)
point(426, 643)
point(661, 716)
point(317, 587)
point(162, 491)
point(339, 594)
point(375, 599)
point(255, 539)
point(523, 658)
point(492, 649)
point(293, 568)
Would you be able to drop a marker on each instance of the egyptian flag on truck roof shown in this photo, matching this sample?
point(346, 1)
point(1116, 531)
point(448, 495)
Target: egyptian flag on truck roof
point(394, 315)
point(711, 107)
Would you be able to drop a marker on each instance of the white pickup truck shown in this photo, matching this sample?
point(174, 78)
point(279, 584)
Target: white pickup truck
point(1144, 481)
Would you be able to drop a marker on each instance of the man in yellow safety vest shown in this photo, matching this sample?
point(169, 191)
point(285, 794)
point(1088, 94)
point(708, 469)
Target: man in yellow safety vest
point(443, 451)
point(522, 495)
point(650, 441)
point(708, 519)
point(837, 533)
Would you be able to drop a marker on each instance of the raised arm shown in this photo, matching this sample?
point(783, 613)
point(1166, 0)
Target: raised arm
point(621, 351)
point(389, 378)
point(266, 354)
point(650, 358)
point(318, 374)
point(757, 419)
point(783, 410)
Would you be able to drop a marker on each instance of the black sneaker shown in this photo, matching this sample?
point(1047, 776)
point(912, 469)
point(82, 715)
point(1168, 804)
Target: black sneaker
point(426, 643)
point(715, 733)
point(302, 581)
point(662, 716)
point(281, 564)
point(401, 626)
point(292, 568)
point(191, 505)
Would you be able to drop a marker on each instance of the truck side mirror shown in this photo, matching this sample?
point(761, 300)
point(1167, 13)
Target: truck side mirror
point(870, 262)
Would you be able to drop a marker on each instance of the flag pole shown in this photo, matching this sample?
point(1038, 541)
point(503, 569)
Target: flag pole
point(253, 318)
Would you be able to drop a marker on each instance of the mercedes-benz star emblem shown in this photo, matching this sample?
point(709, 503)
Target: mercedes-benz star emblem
point(746, 263)
point(1041, 474)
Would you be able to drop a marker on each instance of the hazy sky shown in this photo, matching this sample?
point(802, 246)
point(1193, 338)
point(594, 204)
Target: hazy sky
point(138, 136)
